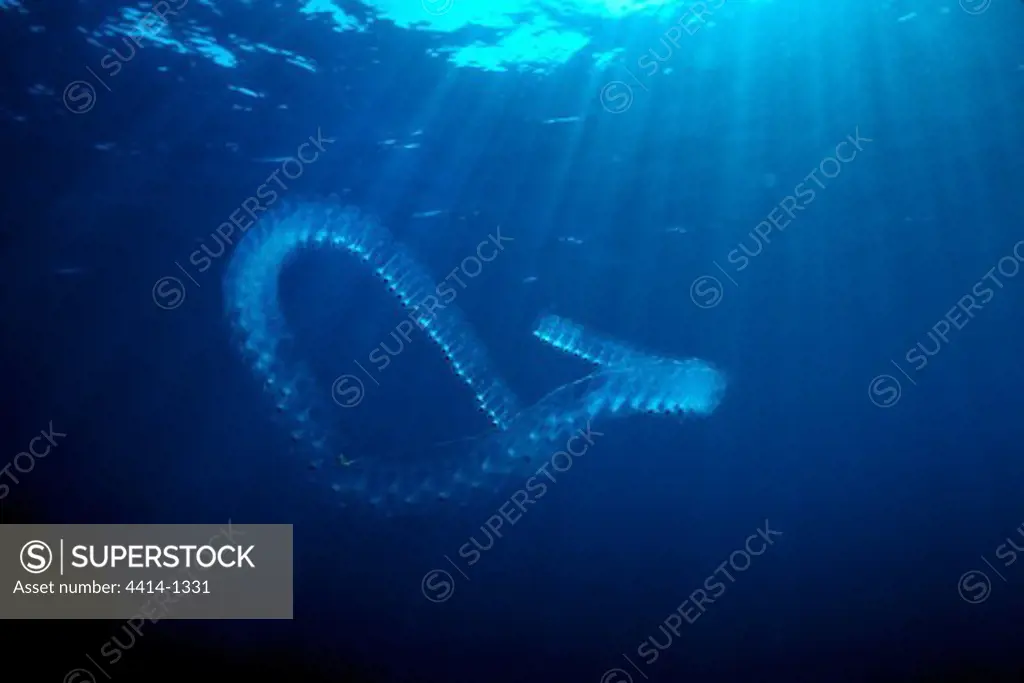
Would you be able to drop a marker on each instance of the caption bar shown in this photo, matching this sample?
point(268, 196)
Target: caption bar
point(131, 571)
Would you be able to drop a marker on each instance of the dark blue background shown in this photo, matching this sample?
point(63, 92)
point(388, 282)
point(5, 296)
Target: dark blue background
point(882, 510)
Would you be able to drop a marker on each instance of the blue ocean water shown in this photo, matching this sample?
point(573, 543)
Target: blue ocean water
point(820, 200)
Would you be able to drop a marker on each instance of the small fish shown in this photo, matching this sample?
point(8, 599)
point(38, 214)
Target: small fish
point(345, 462)
point(530, 279)
point(562, 119)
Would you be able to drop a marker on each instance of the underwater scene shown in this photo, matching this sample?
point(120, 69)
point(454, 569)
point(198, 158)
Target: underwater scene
point(603, 341)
